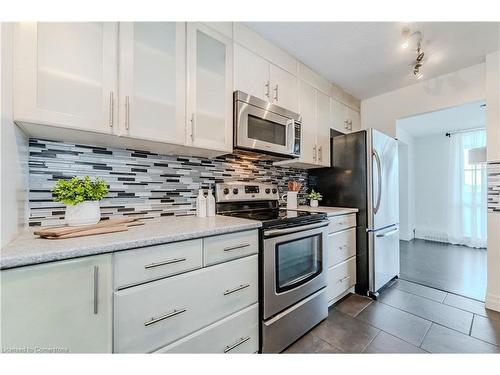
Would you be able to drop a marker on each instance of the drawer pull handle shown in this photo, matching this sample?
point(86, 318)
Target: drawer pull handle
point(230, 248)
point(342, 247)
point(169, 315)
point(236, 344)
point(164, 263)
point(231, 291)
point(344, 279)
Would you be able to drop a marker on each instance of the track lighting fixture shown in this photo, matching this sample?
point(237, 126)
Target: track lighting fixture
point(416, 39)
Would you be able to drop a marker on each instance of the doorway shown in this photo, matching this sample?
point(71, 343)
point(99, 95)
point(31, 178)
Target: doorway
point(443, 204)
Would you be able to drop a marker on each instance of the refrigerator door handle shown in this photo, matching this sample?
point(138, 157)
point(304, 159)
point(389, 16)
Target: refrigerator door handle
point(379, 171)
point(388, 233)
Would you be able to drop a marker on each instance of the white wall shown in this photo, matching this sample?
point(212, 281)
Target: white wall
point(464, 86)
point(14, 151)
point(406, 159)
point(432, 162)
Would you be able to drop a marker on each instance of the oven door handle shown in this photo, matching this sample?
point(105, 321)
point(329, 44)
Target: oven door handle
point(300, 228)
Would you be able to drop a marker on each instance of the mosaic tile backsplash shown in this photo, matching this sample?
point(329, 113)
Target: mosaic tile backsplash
point(141, 183)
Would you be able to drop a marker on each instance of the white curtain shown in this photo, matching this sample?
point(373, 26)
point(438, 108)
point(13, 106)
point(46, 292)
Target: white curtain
point(468, 187)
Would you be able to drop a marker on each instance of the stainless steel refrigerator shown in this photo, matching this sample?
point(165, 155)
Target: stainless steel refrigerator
point(364, 174)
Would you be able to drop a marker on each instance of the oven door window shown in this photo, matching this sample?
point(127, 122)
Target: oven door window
point(297, 262)
point(267, 131)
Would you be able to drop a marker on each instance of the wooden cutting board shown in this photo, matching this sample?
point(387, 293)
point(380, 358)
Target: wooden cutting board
point(62, 231)
point(91, 232)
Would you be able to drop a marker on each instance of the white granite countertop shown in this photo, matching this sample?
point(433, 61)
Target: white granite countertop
point(29, 249)
point(329, 211)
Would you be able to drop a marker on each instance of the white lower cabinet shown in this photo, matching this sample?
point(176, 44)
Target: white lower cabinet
point(56, 307)
point(223, 248)
point(341, 246)
point(341, 277)
point(341, 256)
point(150, 316)
point(134, 267)
point(238, 333)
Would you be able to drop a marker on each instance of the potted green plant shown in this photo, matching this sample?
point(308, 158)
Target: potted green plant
point(81, 197)
point(314, 198)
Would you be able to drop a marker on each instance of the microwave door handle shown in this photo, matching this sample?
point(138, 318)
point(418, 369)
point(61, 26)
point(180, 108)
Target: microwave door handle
point(290, 128)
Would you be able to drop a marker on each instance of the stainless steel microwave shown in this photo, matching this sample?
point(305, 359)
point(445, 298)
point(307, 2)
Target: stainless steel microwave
point(263, 127)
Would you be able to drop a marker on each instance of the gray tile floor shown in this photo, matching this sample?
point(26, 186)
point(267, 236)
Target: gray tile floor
point(407, 318)
point(456, 269)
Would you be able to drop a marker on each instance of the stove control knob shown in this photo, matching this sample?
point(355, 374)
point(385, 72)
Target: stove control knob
point(226, 191)
point(275, 191)
point(235, 191)
point(268, 191)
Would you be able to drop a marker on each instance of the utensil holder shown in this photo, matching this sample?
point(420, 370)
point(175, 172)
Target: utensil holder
point(291, 200)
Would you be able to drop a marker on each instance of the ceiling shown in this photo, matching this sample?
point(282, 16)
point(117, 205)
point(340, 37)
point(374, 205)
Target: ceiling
point(366, 58)
point(467, 116)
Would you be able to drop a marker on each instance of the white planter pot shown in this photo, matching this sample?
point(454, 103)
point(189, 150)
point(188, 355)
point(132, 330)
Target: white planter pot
point(314, 203)
point(85, 213)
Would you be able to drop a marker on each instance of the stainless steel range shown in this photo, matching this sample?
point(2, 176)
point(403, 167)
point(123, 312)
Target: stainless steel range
point(292, 261)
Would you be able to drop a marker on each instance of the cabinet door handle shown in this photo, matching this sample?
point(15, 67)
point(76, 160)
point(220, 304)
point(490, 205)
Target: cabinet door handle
point(230, 248)
point(111, 108)
point(192, 127)
point(96, 289)
point(231, 291)
point(268, 89)
point(127, 112)
point(320, 153)
point(236, 344)
point(314, 153)
point(164, 263)
point(276, 97)
point(163, 317)
point(344, 279)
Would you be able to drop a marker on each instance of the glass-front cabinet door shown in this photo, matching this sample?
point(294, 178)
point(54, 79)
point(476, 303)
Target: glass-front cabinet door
point(153, 80)
point(65, 74)
point(209, 77)
point(297, 262)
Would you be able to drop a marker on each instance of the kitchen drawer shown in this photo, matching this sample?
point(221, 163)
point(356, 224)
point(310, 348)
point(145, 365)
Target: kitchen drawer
point(238, 333)
point(150, 263)
point(341, 222)
point(153, 315)
point(341, 277)
point(220, 249)
point(341, 246)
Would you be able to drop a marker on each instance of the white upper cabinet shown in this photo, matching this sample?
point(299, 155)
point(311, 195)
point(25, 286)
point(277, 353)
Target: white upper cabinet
point(209, 89)
point(283, 88)
point(323, 123)
point(153, 81)
point(355, 119)
point(314, 106)
point(307, 107)
point(339, 115)
point(65, 74)
point(251, 73)
point(345, 119)
point(256, 76)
